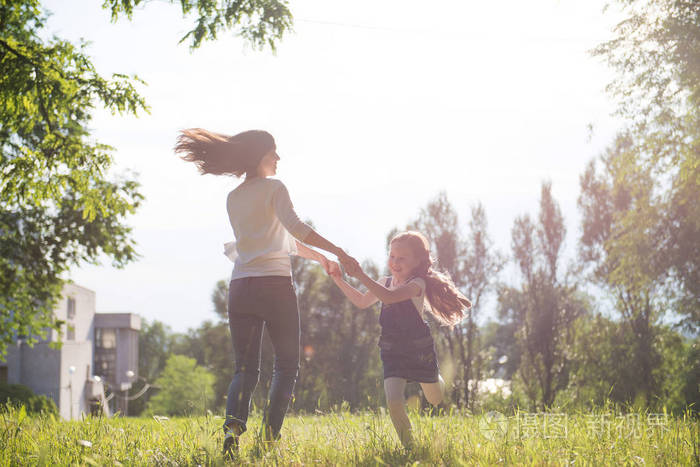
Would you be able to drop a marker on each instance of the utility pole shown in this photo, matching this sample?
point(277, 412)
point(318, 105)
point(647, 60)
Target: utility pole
point(71, 370)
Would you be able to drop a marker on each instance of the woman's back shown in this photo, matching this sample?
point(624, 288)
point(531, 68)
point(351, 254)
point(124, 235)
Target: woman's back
point(262, 217)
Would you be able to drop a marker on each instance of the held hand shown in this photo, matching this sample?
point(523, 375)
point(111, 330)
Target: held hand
point(331, 267)
point(352, 267)
point(325, 263)
point(333, 270)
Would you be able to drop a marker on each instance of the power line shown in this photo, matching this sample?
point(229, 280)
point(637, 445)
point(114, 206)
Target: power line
point(447, 32)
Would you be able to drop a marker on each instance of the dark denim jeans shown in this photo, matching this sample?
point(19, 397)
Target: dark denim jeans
point(254, 303)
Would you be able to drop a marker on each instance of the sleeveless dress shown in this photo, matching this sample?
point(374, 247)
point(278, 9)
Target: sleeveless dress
point(407, 348)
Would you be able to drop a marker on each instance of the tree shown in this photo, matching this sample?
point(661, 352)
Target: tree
point(600, 370)
point(340, 359)
point(186, 389)
point(211, 347)
point(603, 367)
point(622, 242)
point(480, 269)
point(219, 298)
point(473, 266)
point(500, 348)
point(656, 54)
point(545, 306)
point(260, 22)
point(58, 208)
point(155, 346)
point(691, 386)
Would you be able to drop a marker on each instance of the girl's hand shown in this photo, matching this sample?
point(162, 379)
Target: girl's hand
point(333, 269)
point(325, 262)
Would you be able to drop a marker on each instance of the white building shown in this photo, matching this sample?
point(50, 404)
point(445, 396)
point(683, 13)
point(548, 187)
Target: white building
point(94, 344)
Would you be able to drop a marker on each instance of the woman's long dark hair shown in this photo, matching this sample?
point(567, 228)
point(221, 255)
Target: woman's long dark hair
point(218, 154)
point(447, 303)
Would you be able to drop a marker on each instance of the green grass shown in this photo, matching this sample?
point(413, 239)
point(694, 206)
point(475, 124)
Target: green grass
point(355, 439)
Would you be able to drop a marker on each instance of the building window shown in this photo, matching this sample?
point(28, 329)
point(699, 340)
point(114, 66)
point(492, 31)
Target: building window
point(106, 366)
point(70, 332)
point(105, 338)
point(71, 308)
point(3, 375)
point(106, 353)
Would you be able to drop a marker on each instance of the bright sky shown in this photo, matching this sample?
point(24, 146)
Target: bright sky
point(376, 107)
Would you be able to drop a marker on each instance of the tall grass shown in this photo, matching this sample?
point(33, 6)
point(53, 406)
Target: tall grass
point(343, 438)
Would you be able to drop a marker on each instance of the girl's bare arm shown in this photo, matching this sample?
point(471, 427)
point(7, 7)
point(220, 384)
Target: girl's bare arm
point(382, 293)
point(359, 299)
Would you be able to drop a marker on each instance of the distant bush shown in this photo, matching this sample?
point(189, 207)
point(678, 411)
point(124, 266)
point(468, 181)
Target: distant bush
point(18, 394)
point(185, 389)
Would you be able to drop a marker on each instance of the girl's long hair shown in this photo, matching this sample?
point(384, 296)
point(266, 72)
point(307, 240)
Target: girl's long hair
point(447, 303)
point(214, 153)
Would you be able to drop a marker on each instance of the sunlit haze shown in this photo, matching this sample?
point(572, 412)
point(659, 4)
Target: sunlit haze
point(376, 108)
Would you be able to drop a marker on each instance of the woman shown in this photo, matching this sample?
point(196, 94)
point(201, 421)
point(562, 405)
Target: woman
point(261, 293)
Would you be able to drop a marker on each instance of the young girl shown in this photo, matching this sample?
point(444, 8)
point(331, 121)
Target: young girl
point(407, 348)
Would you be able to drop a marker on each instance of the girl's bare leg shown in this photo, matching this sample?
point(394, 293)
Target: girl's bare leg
point(434, 392)
point(396, 402)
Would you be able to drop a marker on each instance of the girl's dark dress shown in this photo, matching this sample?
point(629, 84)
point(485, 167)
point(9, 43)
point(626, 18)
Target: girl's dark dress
point(407, 348)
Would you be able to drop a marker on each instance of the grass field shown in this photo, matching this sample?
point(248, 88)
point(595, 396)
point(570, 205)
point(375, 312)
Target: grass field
point(357, 439)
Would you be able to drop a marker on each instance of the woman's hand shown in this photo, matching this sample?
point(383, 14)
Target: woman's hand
point(351, 266)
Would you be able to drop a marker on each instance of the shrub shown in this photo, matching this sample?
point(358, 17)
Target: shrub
point(18, 394)
point(185, 389)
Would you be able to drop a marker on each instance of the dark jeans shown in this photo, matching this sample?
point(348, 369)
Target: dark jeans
point(254, 303)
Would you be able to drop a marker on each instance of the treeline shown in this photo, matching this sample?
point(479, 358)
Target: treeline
point(559, 338)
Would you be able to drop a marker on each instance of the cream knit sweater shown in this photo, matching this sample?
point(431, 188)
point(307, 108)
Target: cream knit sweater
point(262, 217)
